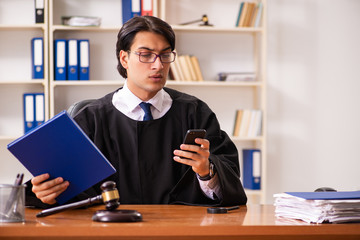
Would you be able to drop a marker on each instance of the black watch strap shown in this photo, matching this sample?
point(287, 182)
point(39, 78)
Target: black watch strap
point(211, 173)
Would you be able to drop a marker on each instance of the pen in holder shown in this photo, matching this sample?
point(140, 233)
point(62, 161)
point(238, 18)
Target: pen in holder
point(12, 203)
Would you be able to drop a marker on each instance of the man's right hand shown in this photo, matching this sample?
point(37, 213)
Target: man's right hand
point(47, 191)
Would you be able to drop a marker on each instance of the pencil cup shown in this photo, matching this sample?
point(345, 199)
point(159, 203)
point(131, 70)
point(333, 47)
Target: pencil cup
point(12, 203)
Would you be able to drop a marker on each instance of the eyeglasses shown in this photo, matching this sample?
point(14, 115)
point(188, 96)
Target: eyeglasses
point(149, 57)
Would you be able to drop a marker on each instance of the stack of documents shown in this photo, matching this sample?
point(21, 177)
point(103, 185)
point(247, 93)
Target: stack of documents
point(319, 207)
point(81, 21)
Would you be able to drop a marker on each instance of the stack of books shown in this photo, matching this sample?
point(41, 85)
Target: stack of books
point(249, 14)
point(186, 68)
point(248, 123)
point(319, 207)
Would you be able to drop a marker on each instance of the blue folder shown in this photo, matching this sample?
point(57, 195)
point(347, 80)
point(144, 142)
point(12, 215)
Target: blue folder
point(60, 48)
point(72, 60)
point(37, 58)
point(29, 111)
point(252, 169)
point(345, 195)
point(126, 10)
point(130, 9)
point(59, 147)
point(39, 108)
point(84, 59)
point(135, 8)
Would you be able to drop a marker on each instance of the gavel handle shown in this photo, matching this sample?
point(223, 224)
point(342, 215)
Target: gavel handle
point(82, 203)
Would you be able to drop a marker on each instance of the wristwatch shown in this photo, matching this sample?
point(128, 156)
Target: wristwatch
point(211, 173)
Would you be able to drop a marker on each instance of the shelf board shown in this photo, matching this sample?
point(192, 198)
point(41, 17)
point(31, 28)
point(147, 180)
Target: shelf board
point(212, 83)
point(8, 138)
point(88, 83)
point(258, 138)
point(250, 192)
point(89, 28)
point(168, 83)
point(175, 28)
point(21, 82)
point(215, 29)
point(22, 27)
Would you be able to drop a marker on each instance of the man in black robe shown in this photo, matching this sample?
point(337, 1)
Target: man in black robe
point(153, 166)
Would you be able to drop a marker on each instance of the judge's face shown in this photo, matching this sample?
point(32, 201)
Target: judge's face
point(146, 79)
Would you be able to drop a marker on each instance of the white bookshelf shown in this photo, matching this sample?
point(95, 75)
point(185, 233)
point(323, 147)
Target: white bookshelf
point(15, 76)
point(224, 47)
point(103, 72)
point(221, 48)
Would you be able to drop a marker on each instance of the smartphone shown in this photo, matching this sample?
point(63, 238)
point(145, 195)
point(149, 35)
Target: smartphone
point(191, 134)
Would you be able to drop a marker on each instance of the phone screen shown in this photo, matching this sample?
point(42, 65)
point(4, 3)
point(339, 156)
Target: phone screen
point(192, 134)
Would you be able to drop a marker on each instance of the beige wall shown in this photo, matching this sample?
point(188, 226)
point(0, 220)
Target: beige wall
point(313, 95)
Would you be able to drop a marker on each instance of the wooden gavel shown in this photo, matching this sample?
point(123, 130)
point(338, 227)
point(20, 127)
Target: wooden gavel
point(109, 196)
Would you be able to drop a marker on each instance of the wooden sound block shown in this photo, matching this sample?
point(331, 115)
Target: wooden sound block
point(117, 216)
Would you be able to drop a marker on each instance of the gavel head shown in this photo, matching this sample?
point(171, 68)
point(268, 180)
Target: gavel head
point(110, 195)
point(205, 19)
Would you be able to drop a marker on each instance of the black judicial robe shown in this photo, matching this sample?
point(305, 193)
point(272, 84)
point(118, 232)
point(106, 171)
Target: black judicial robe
point(142, 153)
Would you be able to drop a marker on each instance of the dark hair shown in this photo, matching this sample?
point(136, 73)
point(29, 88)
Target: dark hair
point(128, 31)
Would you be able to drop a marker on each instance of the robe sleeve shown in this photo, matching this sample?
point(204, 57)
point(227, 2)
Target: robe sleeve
point(224, 155)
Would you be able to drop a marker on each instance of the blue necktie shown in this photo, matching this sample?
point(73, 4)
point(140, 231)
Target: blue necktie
point(146, 107)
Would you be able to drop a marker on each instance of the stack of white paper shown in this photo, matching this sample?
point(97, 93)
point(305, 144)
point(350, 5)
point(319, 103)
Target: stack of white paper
point(319, 207)
point(80, 21)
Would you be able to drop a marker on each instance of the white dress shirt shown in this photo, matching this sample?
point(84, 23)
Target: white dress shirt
point(127, 103)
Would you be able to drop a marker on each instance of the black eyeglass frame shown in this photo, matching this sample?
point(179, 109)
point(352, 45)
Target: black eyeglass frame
point(156, 56)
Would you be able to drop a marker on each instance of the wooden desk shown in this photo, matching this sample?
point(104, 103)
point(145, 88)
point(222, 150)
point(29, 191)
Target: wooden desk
point(175, 222)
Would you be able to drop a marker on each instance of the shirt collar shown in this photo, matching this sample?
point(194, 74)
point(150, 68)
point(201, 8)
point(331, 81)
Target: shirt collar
point(133, 101)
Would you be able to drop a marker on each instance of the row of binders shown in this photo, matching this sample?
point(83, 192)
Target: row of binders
point(251, 169)
point(248, 123)
point(71, 59)
point(186, 68)
point(249, 14)
point(132, 8)
point(34, 110)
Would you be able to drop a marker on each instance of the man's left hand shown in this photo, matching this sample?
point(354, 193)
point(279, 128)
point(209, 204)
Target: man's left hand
point(195, 156)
